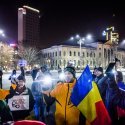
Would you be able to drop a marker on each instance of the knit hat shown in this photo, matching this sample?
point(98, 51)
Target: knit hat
point(71, 70)
point(20, 77)
point(100, 69)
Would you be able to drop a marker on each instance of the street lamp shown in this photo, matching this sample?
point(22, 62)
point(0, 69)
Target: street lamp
point(89, 37)
point(80, 41)
point(2, 33)
point(122, 44)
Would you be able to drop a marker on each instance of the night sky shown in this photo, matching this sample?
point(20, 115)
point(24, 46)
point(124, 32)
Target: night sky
point(63, 19)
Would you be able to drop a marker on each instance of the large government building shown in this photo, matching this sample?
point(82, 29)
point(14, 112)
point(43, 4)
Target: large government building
point(98, 54)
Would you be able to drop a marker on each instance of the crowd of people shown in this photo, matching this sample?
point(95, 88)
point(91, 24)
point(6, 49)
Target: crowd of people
point(19, 101)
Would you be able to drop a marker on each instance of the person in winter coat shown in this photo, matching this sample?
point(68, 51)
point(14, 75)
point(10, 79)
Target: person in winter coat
point(119, 80)
point(21, 93)
point(94, 74)
point(42, 72)
point(22, 73)
point(5, 113)
point(99, 74)
point(103, 84)
point(121, 86)
point(66, 113)
point(36, 89)
point(13, 76)
point(111, 95)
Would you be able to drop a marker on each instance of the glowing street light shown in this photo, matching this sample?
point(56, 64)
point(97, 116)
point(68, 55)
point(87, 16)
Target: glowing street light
point(89, 37)
point(72, 38)
point(122, 44)
point(77, 36)
point(2, 33)
point(123, 41)
point(104, 33)
point(81, 40)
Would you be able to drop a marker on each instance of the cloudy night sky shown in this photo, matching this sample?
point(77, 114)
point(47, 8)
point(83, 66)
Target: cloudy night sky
point(62, 19)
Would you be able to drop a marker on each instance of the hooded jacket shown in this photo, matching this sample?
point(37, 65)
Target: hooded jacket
point(66, 113)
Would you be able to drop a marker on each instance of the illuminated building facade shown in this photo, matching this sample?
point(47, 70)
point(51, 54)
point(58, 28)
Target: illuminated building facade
point(97, 55)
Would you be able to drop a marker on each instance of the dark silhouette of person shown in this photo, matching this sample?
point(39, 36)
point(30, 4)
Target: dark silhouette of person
point(34, 73)
point(5, 113)
point(1, 73)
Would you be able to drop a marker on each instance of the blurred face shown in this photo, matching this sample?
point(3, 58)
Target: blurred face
point(68, 76)
point(95, 72)
point(21, 83)
point(43, 69)
point(14, 72)
point(98, 73)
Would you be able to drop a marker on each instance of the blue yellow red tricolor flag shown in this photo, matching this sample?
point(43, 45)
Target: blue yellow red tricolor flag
point(87, 98)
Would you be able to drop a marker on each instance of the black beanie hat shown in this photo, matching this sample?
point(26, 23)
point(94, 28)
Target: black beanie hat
point(71, 70)
point(20, 77)
point(100, 69)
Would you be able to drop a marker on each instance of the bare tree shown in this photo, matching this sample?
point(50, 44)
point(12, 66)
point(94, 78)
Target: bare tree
point(30, 54)
point(6, 55)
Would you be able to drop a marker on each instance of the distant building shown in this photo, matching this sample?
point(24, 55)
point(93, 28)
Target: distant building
point(98, 54)
point(28, 27)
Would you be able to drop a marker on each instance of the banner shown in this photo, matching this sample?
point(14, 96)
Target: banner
point(20, 102)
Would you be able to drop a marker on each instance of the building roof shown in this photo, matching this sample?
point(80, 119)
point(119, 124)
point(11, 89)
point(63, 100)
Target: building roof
point(92, 44)
point(30, 8)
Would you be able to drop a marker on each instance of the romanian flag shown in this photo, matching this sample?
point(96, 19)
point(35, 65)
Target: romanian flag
point(87, 98)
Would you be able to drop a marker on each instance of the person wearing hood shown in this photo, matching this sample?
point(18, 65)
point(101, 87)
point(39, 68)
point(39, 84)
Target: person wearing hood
point(66, 112)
